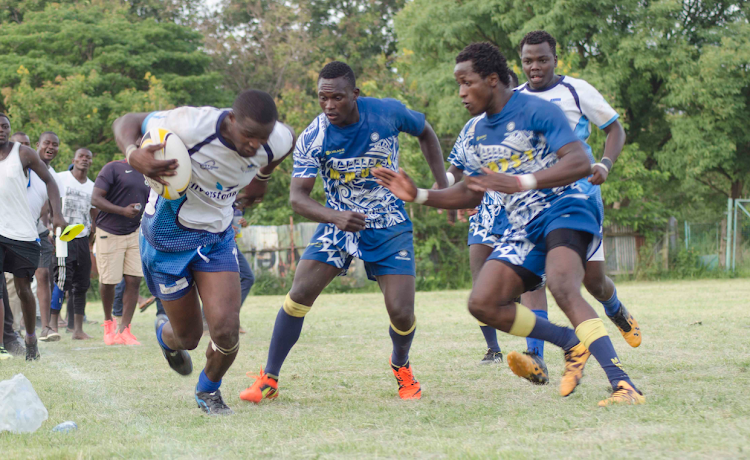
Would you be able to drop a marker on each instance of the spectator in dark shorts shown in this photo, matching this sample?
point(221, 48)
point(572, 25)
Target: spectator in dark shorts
point(120, 194)
point(19, 248)
point(73, 272)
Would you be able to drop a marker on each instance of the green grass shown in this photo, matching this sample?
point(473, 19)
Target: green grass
point(338, 396)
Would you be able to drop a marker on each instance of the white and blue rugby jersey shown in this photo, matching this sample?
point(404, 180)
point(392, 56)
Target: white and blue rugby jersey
point(202, 216)
point(522, 139)
point(490, 216)
point(345, 155)
point(581, 103)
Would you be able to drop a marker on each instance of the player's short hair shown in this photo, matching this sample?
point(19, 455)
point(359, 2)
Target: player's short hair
point(536, 37)
point(256, 105)
point(48, 133)
point(2, 115)
point(338, 69)
point(485, 60)
point(513, 78)
point(19, 133)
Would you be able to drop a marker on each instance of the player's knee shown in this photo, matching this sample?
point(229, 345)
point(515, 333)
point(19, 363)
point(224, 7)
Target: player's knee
point(479, 306)
point(402, 319)
point(298, 302)
point(564, 290)
point(189, 339)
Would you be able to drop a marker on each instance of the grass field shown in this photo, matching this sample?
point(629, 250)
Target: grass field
point(338, 396)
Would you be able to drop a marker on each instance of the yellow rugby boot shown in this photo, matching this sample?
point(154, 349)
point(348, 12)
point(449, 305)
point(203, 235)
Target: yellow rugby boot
point(575, 361)
point(624, 394)
point(530, 366)
point(628, 326)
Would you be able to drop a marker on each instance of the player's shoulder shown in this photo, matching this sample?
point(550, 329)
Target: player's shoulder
point(386, 108)
point(578, 84)
point(468, 129)
point(313, 134)
point(187, 118)
point(281, 139)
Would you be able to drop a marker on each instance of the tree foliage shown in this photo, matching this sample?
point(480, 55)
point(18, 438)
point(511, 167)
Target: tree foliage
point(74, 68)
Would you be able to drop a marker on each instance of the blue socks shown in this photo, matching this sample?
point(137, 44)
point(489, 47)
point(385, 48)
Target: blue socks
point(161, 341)
point(490, 336)
point(537, 345)
point(612, 306)
point(401, 345)
point(563, 337)
point(286, 331)
point(57, 299)
point(606, 355)
point(205, 385)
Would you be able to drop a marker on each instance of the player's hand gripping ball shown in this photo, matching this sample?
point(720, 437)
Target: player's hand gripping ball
point(173, 149)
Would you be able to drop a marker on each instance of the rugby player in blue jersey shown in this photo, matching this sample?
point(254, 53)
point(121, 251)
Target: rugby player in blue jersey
point(523, 148)
point(582, 105)
point(353, 136)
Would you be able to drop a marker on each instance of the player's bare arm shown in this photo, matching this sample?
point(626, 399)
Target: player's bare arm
point(256, 190)
point(99, 201)
point(30, 159)
point(401, 185)
point(430, 145)
point(127, 130)
point(574, 164)
point(304, 205)
point(612, 149)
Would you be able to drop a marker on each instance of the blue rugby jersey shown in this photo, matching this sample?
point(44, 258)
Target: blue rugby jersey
point(344, 157)
point(522, 139)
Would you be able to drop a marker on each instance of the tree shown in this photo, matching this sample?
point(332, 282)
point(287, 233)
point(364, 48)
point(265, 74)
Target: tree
point(75, 68)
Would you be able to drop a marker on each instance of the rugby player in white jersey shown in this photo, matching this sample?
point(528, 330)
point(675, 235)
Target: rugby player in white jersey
point(582, 104)
point(187, 245)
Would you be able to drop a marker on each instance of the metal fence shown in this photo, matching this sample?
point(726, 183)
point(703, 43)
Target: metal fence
point(277, 249)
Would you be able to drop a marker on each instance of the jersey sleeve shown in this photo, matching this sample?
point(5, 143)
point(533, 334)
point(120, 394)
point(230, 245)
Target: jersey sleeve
point(279, 143)
point(183, 121)
point(594, 106)
point(105, 178)
point(407, 121)
point(552, 123)
point(457, 156)
point(307, 151)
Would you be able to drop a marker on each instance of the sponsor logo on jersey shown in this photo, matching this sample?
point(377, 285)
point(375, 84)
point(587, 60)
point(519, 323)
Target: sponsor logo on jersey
point(511, 126)
point(210, 165)
point(374, 137)
point(220, 195)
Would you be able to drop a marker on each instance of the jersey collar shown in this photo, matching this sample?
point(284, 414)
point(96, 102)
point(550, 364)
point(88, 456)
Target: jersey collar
point(226, 143)
point(528, 88)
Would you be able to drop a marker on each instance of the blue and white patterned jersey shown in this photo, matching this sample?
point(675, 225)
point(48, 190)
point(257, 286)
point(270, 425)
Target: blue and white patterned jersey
point(219, 173)
point(344, 157)
point(522, 139)
point(490, 218)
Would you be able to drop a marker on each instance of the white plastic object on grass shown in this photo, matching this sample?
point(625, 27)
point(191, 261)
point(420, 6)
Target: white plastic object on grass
point(21, 410)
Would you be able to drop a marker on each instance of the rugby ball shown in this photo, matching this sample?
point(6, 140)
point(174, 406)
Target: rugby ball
point(173, 149)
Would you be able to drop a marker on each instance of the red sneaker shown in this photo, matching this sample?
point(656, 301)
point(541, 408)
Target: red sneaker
point(126, 338)
point(110, 329)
